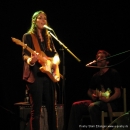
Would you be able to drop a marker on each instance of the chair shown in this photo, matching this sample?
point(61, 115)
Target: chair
point(115, 114)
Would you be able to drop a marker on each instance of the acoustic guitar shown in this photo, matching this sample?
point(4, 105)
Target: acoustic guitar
point(103, 93)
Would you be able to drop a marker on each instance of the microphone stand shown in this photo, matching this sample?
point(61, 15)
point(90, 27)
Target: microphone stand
point(63, 71)
point(63, 82)
point(65, 47)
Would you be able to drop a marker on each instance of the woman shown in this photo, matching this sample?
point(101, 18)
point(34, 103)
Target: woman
point(41, 86)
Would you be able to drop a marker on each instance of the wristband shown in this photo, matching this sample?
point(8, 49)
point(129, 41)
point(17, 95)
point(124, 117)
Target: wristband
point(29, 60)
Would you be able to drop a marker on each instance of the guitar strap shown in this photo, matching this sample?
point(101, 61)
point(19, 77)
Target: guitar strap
point(35, 43)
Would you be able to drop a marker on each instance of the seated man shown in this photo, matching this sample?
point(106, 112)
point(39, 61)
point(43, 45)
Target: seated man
point(104, 91)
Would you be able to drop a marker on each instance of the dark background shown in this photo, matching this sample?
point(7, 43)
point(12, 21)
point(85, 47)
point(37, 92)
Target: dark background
point(83, 26)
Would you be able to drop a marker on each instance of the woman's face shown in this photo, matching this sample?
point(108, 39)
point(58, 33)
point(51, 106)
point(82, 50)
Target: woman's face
point(41, 21)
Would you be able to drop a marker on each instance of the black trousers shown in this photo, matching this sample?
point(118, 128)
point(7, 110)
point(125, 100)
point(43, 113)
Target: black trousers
point(42, 90)
point(77, 110)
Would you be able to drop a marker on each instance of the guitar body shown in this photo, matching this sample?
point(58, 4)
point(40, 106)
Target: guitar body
point(103, 93)
point(52, 70)
point(47, 63)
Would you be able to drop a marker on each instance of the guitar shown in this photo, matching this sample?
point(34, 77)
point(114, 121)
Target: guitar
point(49, 65)
point(103, 93)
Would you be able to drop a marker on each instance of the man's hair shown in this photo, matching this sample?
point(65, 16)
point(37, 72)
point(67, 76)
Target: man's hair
point(104, 52)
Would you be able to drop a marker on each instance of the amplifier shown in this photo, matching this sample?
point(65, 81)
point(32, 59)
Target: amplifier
point(24, 112)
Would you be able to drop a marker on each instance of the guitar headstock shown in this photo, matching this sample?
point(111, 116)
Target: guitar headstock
point(17, 41)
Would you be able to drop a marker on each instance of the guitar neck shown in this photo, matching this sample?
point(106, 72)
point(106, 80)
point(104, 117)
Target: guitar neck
point(32, 51)
point(40, 56)
point(29, 49)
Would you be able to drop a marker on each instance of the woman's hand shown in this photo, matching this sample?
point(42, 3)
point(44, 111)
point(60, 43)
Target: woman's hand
point(34, 57)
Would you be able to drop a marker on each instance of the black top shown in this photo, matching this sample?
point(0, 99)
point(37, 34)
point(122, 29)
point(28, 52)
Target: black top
point(110, 79)
point(27, 39)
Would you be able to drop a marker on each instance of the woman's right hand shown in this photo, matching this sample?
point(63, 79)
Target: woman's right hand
point(34, 57)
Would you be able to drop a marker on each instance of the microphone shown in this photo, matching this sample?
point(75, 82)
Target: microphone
point(48, 28)
point(92, 62)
